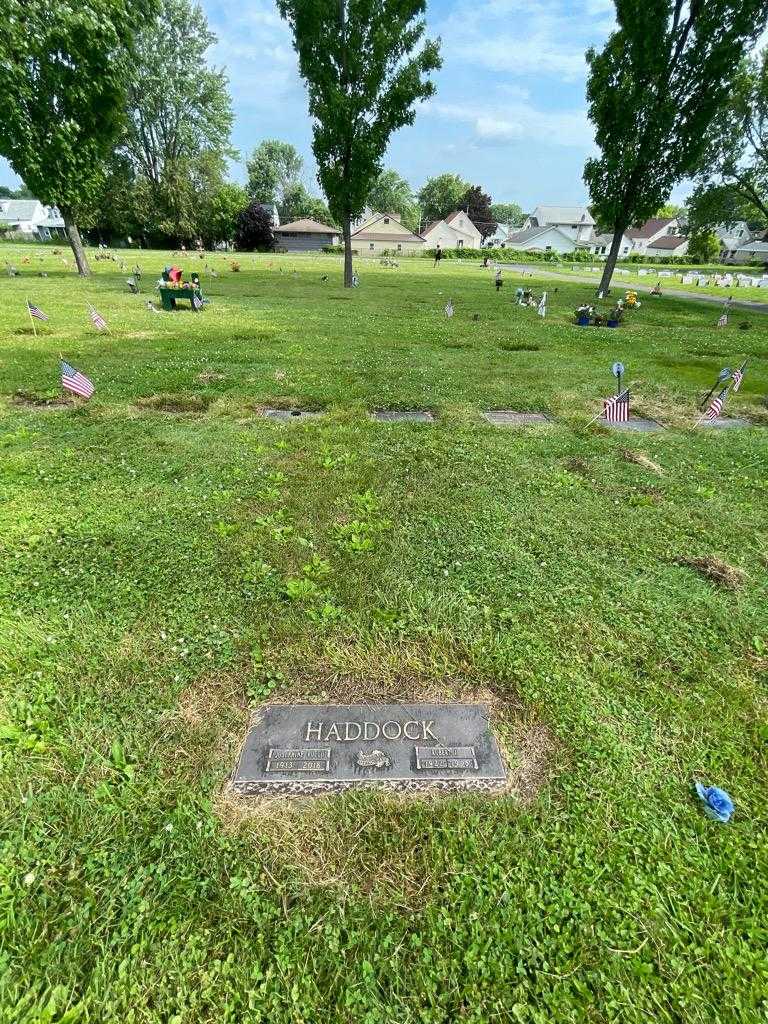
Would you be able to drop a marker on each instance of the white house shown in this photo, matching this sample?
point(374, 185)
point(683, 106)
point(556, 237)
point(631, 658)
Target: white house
point(647, 234)
point(574, 221)
point(541, 239)
point(731, 236)
point(755, 251)
point(667, 245)
point(30, 219)
point(499, 237)
point(600, 245)
point(456, 231)
point(384, 233)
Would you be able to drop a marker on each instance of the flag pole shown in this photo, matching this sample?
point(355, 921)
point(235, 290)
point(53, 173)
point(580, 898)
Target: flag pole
point(31, 319)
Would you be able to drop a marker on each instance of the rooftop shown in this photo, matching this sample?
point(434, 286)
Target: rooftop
point(307, 227)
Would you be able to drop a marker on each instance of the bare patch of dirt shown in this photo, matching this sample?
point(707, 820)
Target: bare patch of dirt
point(33, 401)
point(173, 403)
point(641, 459)
point(715, 570)
point(578, 466)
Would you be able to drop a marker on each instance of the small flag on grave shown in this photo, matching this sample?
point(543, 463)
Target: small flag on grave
point(36, 312)
point(97, 319)
point(738, 376)
point(449, 309)
point(616, 408)
point(74, 381)
point(197, 302)
point(716, 405)
point(723, 320)
point(542, 307)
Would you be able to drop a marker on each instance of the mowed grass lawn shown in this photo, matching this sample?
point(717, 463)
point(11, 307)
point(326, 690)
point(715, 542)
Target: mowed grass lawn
point(164, 571)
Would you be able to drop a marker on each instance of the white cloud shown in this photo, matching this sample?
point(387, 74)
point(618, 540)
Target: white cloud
point(496, 126)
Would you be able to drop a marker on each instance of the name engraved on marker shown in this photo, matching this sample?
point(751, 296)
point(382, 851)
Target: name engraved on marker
point(310, 759)
point(439, 758)
point(315, 748)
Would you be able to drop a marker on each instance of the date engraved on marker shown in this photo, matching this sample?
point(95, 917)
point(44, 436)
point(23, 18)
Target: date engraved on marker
point(441, 758)
point(308, 759)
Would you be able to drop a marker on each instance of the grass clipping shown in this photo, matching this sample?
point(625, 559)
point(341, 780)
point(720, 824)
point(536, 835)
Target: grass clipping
point(715, 570)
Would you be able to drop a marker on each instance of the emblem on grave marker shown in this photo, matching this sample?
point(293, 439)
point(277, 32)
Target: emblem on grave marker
point(376, 759)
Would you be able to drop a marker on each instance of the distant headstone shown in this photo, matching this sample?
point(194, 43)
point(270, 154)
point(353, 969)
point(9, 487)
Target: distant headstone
point(403, 416)
point(636, 423)
point(291, 415)
point(309, 749)
point(512, 418)
point(724, 424)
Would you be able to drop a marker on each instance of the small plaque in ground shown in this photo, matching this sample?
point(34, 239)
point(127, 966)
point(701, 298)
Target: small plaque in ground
point(403, 416)
point(291, 414)
point(724, 424)
point(638, 423)
point(511, 418)
point(309, 749)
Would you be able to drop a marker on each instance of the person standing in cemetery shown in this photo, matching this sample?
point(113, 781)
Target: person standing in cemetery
point(438, 254)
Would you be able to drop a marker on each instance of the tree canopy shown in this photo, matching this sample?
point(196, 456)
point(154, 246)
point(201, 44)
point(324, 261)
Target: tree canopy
point(653, 93)
point(392, 194)
point(364, 74)
point(734, 184)
point(478, 206)
point(274, 172)
point(442, 195)
point(63, 76)
point(507, 213)
point(254, 229)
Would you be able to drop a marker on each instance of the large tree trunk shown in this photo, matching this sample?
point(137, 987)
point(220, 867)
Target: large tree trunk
point(610, 262)
point(77, 245)
point(347, 232)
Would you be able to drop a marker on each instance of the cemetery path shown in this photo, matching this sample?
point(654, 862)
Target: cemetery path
point(535, 271)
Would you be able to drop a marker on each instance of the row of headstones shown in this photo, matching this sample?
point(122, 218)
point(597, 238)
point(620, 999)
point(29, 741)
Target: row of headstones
point(499, 418)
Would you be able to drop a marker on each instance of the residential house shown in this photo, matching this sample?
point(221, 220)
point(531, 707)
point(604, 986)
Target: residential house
point(574, 221)
point(304, 236)
point(600, 245)
point(647, 234)
point(541, 239)
point(456, 231)
point(755, 251)
point(499, 237)
point(384, 233)
point(667, 245)
point(30, 219)
point(733, 237)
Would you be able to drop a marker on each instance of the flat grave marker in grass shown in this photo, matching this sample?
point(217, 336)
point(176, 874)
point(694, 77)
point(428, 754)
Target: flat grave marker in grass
point(310, 749)
point(292, 415)
point(640, 424)
point(403, 416)
point(511, 418)
point(725, 424)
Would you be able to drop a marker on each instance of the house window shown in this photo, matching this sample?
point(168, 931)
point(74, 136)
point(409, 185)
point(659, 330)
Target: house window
point(548, 248)
point(386, 220)
point(370, 245)
point(399, 247)
point(460, 244)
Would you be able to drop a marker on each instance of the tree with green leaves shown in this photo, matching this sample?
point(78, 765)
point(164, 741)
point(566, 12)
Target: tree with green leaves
point(734, 184)
point(254, 229)
point(670, 210)
point(179, 120)
point(478, 206)
point(220, 213)
point(653, 94)
point(392, 194)
point(509, 214)
point(703, 246)
point(298, 204)
point(364, 75)
point(442, 195)
point(274, 175)
point(63, 74)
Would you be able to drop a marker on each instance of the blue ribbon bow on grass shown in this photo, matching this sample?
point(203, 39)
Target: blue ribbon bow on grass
point(717, 803)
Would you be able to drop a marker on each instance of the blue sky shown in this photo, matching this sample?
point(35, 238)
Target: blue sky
point(509, 113)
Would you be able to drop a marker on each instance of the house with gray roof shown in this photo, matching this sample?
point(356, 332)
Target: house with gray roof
point(30, 219)
point(574, 221)
point(547, 238)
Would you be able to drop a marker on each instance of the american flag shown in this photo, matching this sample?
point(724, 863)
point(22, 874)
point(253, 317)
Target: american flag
point(616, 408)
point(542, 307)
point(98, 320)
point(74, 381)
point(716, 405)
point(36, 312)
point(197, 302)
point(723, 320)
point(738, 377)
